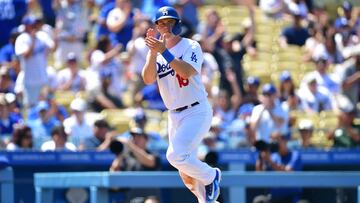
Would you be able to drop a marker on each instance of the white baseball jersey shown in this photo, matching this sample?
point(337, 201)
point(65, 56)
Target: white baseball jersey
point(34, 67)
point(175, 91)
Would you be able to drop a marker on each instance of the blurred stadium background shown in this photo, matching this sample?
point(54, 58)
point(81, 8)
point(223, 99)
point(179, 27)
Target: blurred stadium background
point(270, 61)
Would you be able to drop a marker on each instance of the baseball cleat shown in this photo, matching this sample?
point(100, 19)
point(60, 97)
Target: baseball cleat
point(213, 189)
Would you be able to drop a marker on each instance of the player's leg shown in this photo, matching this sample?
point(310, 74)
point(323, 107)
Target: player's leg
point(189, 128)
point(194, 186)
point(186, 131)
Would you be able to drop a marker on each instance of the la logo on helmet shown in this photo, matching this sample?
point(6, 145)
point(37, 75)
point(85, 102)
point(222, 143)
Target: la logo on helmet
point(165, 12)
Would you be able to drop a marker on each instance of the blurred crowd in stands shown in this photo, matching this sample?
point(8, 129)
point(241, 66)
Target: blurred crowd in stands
point(70, 76)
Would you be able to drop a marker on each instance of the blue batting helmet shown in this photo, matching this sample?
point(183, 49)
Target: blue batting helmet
point(169, 12)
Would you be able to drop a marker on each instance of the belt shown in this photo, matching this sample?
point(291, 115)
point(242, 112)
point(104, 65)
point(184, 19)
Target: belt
point(186, 107)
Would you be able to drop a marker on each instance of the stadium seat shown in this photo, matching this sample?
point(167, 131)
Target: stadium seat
point(286, 65)
point(308, 66)
point(301, 115)
point(266, 47)
point(153, 114)
point(64, 97)
point(255, 65)
point(328, 122)
point(118, 118)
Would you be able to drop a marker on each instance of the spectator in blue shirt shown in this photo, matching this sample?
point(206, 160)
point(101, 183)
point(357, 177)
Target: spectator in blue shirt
point(8, 57)
point(295, 34)
point(42, 126)
point(346, 9)
point(150, 98)
point(12, 12)
point(121, 30)
point(101, 139)
point(104, 10)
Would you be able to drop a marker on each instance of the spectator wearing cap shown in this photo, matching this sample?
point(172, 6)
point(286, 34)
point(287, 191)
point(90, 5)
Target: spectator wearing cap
point(268, 117)
point(251, 91)
point(346, 14)
point(55, 110)
point(101, 97)
point(135, 156)
point(346, 37)
point(314, 98)
point(32, 48)
point(101, 138)
point(78, 126)
point(7, 119)
point(14, 107)
point(294, 34)
point(287, 86)
point(71, 78)
point(137, 146)
point(42, 126)
point(306, 130)
point(58, 141)
point(238, 132)
point(323, 77)
point(345, 134)
point(140, 120)
point(12, 13)
point(7, 85)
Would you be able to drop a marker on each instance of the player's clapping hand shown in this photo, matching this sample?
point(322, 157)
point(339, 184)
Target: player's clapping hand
point(155, 45)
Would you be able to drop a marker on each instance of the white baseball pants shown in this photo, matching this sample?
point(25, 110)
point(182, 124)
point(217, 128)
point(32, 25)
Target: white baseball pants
point(186, 131)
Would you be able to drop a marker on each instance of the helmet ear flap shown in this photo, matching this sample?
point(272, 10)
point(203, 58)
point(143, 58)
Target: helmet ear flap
point(177, 28)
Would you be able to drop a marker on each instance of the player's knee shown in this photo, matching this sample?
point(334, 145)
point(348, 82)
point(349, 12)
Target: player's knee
point(176, 159)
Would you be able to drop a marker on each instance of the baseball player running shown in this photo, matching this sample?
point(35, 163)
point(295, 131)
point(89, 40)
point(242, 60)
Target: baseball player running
point(175, 63)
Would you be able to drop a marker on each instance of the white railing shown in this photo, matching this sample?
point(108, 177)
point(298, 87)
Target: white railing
point(98, 182)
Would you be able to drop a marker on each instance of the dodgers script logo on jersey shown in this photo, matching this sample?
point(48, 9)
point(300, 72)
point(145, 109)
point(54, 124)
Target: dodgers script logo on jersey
point(165, 70)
